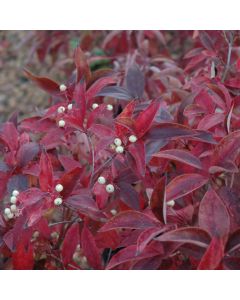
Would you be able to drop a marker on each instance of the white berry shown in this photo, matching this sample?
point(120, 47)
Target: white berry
point(117, 142)
point(54, 235)
point(59, 188)
point(13, 200)
point(15, 193)
point(109, 107)
point(94, 106)
point(61, 109)
point(10, 215)
point(110, 188)
point(119, 149)
point(70, 106)
point(7, 211)
point(35, 234)
point(62, 87)
point(132, 138)
point(58, 201)
point(84, 259)
point(171, 203)
point(101, 180)
point(113, 212)
point(61, 123)
point(13, 208)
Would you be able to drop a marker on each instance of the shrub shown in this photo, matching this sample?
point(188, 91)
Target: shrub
point(135, 167)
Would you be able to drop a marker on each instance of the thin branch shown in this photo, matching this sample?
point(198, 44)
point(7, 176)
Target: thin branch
point(230, 44)
point(93, 159)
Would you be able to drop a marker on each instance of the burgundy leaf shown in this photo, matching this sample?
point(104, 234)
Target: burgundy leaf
point(135, 82)
point(146, 236)
point(213, 215)
point(98, 85)
point(90, 248)
point(70, 242)
point(117, 92)
point(83, 70)
point(183, 185)
point(158, 201)
point(130, 219)
point(69, 181)
point(192, 235)
point(129, 254)
point(44, 83)
point(233, 241)
point(145, 119)
point(180, 155)
point(213, 255)
point(23, 257)
point(46, 173)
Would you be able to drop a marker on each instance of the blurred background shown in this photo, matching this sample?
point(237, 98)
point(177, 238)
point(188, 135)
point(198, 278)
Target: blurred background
point(49, 53)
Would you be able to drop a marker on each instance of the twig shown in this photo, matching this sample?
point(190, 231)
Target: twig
point(93, 159)
point(230, 43)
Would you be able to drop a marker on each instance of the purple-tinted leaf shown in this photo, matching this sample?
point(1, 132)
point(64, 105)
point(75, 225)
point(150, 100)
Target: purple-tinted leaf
point(146, 236)
point(130, 219)
point(69, 181)
point(180, 155)
point(128, 195)
point(117, 92)
point(137, 152)
point(233, 241)
point(192, 235)
point(158, 201)
point(135, 82)
point(183, 185)
point(213, 215)
point(26, 153)
point(129, 254)
point(17, 182)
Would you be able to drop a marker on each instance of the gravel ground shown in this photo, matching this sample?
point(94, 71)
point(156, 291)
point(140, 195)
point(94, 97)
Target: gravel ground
point(16, 92)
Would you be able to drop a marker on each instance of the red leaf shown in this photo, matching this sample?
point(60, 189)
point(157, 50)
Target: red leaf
point(9, 134)
point(23, 257)
point(46, 173)
point(213, 255)
point(90, 249)
point(192, 235)
point(146, 236)
point(44, 83)
point(158, 201)
point(129, 195)
point(129, 254)
point(70, 242)
point(137, 151)
point(183, 185)
point(180, 155)
point(213, 215)
point(210, 121)
point(227, 150)
point(98, 85)
point(130, 219)
point(233, 241)
point(69, 180)
point(145, 119)
point(83, 70)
